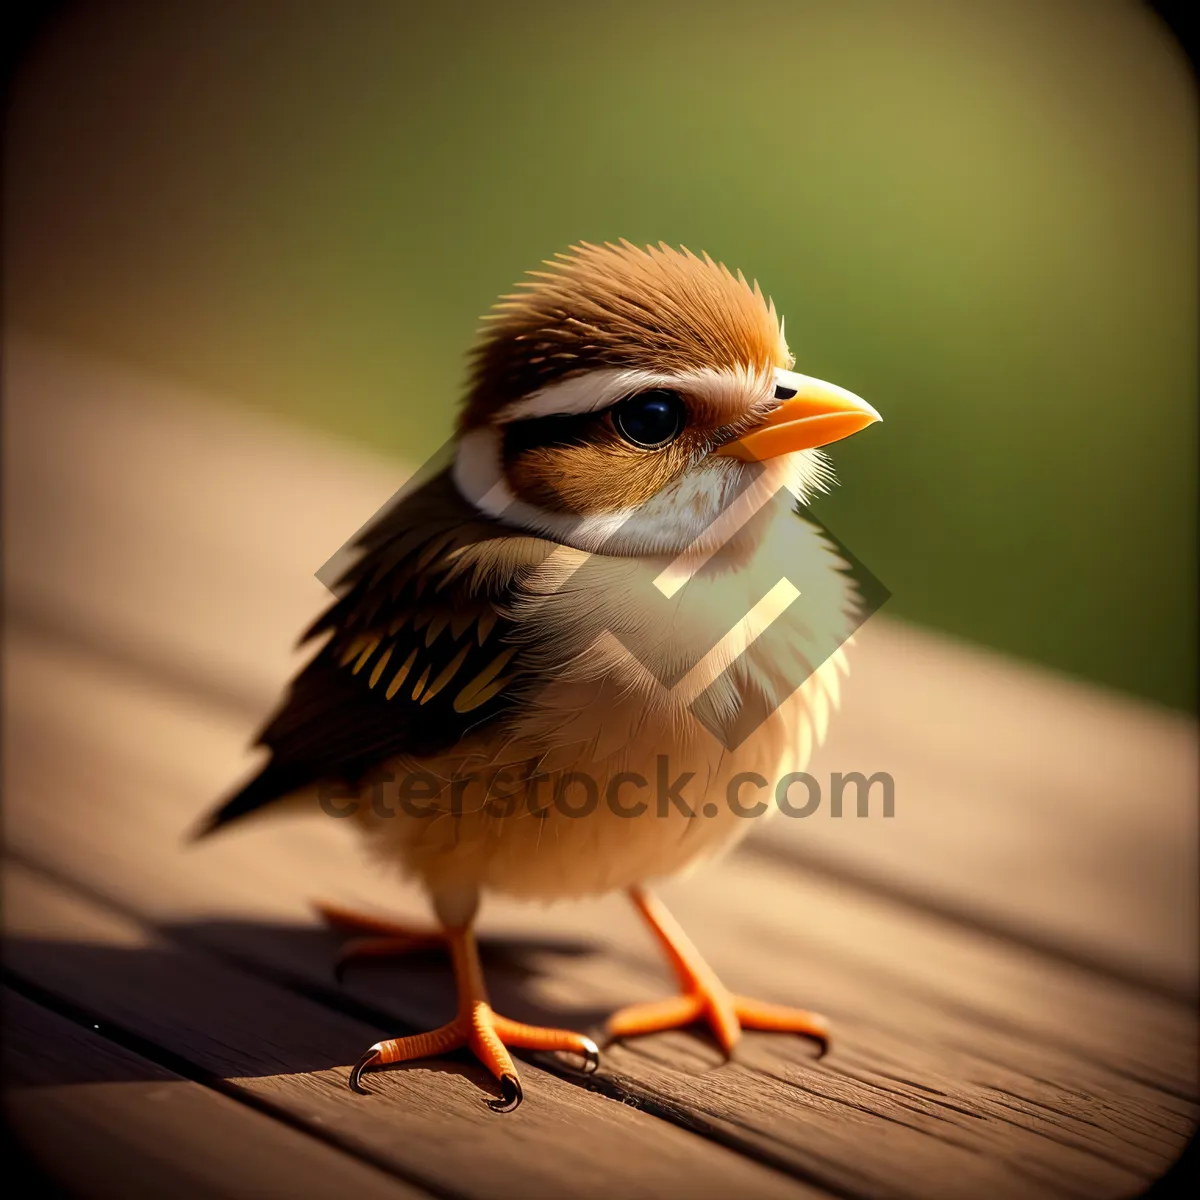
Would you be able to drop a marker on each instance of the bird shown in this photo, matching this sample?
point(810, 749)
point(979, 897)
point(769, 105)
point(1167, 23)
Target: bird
point(597, 596)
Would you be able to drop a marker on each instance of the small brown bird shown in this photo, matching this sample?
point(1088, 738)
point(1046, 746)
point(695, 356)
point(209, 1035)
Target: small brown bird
point(561, 666)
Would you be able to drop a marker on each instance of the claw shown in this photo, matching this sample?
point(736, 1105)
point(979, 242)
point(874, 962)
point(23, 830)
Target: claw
point(511, 1095)
point(590, 1053)
point(370, 1059)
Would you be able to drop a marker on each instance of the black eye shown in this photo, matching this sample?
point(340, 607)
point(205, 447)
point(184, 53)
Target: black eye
point(784, 393)
point(650, 419)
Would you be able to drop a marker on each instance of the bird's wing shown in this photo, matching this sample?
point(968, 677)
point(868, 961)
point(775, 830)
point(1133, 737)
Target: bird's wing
point(419, 652)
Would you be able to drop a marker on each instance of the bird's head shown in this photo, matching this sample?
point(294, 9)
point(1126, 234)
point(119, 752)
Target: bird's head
point(621, 396)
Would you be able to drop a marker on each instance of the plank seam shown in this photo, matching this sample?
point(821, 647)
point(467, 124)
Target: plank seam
point(896, 892)
point(607, 1085)
point(57, 629)
point(118, 1035)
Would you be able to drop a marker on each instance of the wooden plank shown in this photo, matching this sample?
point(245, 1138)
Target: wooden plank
point(287, 1054)
point(103, 1121)
point(962, 1065)
point(1025, 804)
point(1046, 811)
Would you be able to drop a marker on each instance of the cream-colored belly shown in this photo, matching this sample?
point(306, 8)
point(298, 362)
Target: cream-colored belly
point(642, 793)
point(599, 711)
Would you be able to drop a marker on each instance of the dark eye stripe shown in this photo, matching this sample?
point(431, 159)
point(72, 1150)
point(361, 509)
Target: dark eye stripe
point(559, 429)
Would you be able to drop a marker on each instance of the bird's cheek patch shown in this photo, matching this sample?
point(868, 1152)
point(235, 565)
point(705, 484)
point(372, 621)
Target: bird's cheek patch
point(594, 478)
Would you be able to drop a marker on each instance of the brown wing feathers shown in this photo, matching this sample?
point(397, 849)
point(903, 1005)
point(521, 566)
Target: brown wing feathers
point(419, 653)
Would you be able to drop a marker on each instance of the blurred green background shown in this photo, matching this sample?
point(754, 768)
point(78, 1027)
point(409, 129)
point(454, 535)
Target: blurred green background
point(979, 215)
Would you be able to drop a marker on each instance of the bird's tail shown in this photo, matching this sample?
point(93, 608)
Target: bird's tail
point(268, 786)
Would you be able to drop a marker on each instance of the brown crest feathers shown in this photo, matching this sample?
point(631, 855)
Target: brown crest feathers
point(619, 305)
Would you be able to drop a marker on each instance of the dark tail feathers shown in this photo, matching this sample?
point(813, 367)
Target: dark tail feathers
point(269, 785)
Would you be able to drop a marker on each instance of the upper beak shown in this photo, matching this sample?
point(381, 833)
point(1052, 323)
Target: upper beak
point(818, 413)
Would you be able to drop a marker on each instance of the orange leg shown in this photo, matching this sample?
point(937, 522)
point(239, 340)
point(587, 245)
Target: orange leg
point(476, 1026)
point(702, 995)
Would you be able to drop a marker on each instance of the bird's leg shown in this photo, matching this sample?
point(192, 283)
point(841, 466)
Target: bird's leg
point(476, 1026)
point(377, 937)
point(702, 995)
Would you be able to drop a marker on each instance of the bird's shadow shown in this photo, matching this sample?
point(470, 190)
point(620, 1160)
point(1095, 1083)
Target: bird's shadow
point(241, 998)
point(410, 986)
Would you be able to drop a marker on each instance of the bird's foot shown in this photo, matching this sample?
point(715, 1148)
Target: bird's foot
point(702, 995)
point(377, 937)
point(486, 1034)
point(724, 1013)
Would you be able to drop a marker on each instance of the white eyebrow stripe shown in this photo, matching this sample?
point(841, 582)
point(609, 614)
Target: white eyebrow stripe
point(587, 392)
point(593, 390)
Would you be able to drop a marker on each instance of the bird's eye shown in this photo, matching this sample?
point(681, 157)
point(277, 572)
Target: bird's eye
point(784, 393)
point(650, 419)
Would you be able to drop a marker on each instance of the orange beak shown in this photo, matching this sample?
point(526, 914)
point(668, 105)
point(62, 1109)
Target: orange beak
point(816, 414)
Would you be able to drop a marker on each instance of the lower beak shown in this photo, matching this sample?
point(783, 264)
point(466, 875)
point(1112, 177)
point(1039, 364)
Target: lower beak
point(816, 414)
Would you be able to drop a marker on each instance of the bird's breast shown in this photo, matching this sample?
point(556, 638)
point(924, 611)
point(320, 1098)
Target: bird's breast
point(650, 732)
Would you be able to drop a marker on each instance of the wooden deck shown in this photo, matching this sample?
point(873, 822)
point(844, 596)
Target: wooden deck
point(1010, 962)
